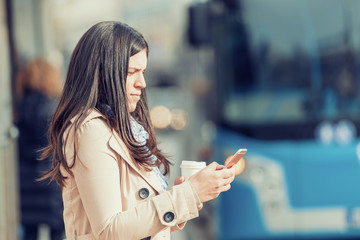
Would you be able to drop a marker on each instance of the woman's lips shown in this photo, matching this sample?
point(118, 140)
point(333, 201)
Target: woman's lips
point(136, 96)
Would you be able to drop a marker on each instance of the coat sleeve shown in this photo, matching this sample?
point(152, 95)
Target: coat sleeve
point(96, 174)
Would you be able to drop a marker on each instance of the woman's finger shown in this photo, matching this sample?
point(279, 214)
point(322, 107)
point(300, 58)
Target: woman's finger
point(219, 167)
point(226, 173)
point(224, 188)
point(223, 183)
point(214, 166)
point(179, 180)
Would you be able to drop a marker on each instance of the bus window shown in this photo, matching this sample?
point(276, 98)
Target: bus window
point(287, 65)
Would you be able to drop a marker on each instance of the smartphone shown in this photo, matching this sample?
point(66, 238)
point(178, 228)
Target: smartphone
point(236, 158)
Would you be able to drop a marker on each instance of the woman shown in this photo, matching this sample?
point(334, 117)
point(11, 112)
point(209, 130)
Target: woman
point(105, 155)
point(38, 86)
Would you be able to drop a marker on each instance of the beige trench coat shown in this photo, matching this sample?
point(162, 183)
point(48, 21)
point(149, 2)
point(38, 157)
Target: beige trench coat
point(110, 197)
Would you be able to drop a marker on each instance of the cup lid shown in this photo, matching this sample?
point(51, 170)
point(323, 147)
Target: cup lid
point(195, 164)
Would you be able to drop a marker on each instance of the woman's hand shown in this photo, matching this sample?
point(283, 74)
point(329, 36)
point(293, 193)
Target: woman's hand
point(212, 180)
point(180, 180)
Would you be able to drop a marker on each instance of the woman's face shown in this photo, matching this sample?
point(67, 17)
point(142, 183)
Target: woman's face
point(135, 80)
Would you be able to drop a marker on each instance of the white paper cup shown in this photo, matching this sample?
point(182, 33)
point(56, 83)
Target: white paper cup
point(188, 168)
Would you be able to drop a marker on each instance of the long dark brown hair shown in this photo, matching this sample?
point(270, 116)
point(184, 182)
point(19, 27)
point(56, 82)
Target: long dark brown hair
point(96, 77)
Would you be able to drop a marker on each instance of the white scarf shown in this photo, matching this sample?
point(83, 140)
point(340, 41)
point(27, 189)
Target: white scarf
point(141, 136)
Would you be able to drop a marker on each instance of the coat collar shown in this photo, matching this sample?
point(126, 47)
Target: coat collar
point(93, 113)
point(118, 145)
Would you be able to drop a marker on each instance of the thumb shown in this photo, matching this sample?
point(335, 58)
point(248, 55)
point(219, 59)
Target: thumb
point(215, 166)
point(179, 180)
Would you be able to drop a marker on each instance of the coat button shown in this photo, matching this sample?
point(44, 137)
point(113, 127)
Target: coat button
point(144, 193)
point(169, 216)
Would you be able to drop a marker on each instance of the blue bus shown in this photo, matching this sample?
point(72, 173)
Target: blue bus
point(287, 88)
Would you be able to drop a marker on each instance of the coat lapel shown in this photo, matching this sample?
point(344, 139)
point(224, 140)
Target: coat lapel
point(119, 147)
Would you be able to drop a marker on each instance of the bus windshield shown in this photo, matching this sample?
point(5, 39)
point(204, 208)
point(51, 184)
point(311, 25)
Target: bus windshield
point(289, 63)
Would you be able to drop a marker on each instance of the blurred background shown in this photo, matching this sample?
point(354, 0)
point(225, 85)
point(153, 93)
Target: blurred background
point(280, 78)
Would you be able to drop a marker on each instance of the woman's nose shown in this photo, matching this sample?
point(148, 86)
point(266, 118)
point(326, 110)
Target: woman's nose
point(140, 81)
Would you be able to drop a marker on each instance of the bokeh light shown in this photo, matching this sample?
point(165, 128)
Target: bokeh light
point(325, 132)
point(345, 132)
point(178, 120)
point(160, 117)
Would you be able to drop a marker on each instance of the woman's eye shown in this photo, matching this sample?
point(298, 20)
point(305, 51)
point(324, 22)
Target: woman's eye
point(130, 73)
